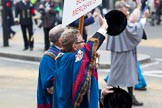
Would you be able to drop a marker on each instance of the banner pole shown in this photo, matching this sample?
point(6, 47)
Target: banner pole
point(81, 24)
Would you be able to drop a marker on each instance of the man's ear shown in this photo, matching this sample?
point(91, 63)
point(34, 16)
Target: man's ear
point(74, 47)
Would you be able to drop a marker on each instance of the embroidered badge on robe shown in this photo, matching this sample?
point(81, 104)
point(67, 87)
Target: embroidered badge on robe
point(79, 56)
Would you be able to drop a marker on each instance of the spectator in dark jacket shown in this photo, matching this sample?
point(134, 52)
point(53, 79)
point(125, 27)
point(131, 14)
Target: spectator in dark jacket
point(158, 13)
point(48, 14)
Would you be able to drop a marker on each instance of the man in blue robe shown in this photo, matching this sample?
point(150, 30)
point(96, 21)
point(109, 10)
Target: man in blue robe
point(47, 69)
point(76, 78)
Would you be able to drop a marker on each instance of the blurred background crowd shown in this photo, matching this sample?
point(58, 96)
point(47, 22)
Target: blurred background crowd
point(48, 13)
point(153, 5)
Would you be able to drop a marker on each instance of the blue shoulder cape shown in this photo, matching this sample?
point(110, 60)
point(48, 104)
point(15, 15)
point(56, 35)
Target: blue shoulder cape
point(45, 78)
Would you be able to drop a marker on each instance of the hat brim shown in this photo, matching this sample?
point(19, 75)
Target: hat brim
point(118, 99)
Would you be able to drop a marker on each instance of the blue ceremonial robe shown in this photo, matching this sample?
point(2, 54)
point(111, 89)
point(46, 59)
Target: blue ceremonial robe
point(63, 81)
point(45, 78)
point(76, 79)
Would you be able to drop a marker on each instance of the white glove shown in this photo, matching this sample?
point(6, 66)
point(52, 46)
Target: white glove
point(143, 22)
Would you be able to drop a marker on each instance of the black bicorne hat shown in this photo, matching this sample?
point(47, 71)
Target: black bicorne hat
point(118, 99)
point(116, 21)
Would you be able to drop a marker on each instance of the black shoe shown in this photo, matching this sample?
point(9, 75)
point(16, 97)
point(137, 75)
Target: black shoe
point(141, 89)
point(25, 49)
point(12, 35)
point(31, 49)
point(135, 102)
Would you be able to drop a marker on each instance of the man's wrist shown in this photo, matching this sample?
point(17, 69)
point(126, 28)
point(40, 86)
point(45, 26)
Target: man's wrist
point(102, 31)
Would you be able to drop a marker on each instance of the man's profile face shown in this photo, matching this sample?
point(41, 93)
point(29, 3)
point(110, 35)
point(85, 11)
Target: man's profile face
point(80, 43)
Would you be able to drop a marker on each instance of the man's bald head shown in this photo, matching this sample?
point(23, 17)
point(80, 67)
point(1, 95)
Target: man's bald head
point(55, 33)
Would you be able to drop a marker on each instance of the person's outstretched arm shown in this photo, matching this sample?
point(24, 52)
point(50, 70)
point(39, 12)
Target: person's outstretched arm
point(100, 34)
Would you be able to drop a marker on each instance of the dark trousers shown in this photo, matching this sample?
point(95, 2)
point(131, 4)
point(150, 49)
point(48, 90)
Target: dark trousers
point(158, 12)
point(28, 41)
point(46, 38)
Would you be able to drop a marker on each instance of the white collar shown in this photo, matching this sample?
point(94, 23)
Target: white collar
point(57, 47)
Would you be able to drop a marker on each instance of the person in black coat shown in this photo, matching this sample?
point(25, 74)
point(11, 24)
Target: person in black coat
point(25, 10)
point(158, 13)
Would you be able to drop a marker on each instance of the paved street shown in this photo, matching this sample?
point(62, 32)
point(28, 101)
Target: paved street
point(18, 84)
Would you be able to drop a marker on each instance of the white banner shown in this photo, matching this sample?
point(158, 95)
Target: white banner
point(74, 9)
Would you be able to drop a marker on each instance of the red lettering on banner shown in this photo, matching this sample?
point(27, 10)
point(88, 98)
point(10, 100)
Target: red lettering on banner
point(79, 1)
point(83, 7)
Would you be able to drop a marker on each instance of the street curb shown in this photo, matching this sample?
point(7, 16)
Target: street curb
point(21, 57)
point(104, 62)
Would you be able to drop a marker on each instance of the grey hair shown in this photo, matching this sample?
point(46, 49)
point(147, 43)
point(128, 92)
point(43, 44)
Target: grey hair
point(55, 33)
point(68, 38)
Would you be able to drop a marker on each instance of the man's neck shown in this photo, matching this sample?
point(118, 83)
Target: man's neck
point(56, 46)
